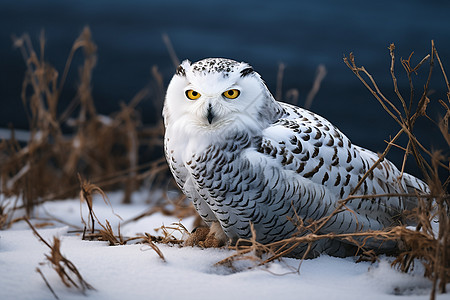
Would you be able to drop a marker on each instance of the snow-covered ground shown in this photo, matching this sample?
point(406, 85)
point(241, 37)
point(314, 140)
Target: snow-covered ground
point(136, 272)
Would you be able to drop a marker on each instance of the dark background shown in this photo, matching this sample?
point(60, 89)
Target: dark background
point(299, 34)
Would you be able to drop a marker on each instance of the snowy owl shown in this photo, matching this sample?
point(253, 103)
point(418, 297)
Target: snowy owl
point(242, 157)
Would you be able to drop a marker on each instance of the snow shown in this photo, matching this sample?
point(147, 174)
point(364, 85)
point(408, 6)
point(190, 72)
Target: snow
point(19, 134)
point(135, 271)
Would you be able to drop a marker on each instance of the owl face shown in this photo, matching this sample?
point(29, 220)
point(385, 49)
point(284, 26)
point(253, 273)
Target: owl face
point(215, 94)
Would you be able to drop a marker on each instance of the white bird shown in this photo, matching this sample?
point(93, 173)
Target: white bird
point(242, 157)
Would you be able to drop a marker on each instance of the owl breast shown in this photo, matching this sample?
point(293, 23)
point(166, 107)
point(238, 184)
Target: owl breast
point(236, 185)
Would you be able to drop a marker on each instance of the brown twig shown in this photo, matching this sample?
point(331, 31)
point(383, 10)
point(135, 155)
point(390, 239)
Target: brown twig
point(47, 283)
point(68, 273)
point(320, 75)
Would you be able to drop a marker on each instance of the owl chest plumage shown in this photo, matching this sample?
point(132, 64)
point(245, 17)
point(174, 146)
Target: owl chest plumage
point(225, 186)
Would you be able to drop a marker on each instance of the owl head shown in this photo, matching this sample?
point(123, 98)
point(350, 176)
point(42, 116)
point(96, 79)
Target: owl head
point(215, 95)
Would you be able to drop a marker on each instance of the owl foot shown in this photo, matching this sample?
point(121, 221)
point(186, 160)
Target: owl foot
point(207, 237)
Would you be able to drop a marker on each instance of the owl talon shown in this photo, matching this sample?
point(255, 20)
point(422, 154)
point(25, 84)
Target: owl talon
point(197, 236)
point(207, 237)
point(211, 242)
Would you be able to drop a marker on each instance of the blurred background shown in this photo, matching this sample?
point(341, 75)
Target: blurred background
point(300, 34)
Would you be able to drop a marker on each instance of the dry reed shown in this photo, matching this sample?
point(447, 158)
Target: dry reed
point(66, 270)
point(104, 148)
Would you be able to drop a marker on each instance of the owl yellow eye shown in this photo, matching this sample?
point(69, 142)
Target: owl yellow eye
point(193, 95)
point(231, 94)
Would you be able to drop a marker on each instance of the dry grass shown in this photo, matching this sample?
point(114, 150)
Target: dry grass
point(52, 164)
point(106, 233)
point(66, 270)
point(103, 148)
point(87, 191)
point(293, 95)
point(431, 249)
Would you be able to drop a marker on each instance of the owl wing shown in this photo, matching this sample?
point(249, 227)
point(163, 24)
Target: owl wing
point(327, 167)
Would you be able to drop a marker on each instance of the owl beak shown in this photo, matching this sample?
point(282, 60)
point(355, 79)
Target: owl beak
point(210, 115)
